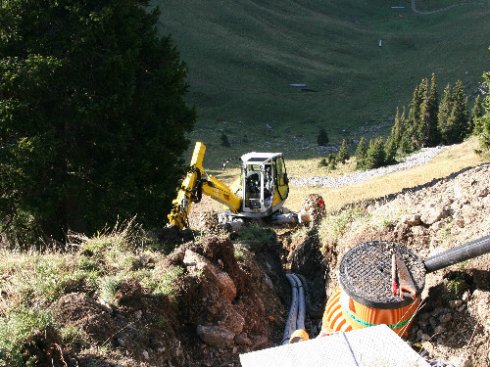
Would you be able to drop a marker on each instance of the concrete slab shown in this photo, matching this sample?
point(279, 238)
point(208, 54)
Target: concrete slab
point(376, 346)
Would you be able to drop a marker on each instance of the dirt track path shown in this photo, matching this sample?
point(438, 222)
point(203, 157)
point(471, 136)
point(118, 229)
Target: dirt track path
point(414, 8)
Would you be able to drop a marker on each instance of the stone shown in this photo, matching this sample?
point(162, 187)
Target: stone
point(195, 261)
point(227, 285)
point(434, 213)
point(419, 231)
point(215, 336)
point(411, 220)
point(243, 339)
point(466, 296)
point(260, 341)
point(461, 308)
point(138, 314)
point(445, 318)
point(145, 354)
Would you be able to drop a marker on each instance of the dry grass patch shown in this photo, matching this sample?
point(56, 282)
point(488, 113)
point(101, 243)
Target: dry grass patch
point(453, 159)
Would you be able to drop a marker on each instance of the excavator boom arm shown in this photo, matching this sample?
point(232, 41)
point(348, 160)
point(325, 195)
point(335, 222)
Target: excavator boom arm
point(196, 183)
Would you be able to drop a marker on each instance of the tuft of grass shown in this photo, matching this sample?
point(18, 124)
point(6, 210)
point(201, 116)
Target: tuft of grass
point(108, 287)
point(168, 282)
point(334, 226)
point(17, 330)
point(256, 237)
point(75, 337)
point(444, 234)
point(42, 279)
point(241, 252)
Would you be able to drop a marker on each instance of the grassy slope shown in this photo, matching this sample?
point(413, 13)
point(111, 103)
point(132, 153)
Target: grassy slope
point(452, 160)
point(243, 54)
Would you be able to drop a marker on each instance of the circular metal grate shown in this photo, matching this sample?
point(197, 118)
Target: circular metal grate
point(365, 274)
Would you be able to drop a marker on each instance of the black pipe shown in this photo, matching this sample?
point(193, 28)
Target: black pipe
point(455, 255)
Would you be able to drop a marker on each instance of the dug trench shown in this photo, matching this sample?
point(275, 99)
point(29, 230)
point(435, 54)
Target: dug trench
point(230, 293)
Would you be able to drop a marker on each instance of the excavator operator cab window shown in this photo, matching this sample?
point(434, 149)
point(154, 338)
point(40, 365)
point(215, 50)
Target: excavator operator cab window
point(268, 182)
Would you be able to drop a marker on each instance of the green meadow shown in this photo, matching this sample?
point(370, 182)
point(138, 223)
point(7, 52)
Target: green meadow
point(243, 56)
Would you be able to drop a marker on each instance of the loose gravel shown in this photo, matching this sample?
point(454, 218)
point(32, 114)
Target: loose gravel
point(417, 159)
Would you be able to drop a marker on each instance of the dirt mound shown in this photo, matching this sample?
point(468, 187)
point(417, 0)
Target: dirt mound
point(81, 310)
point(236, 307)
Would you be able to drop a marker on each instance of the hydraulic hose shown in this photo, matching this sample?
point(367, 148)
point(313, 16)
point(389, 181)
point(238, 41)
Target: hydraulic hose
point(461, 253)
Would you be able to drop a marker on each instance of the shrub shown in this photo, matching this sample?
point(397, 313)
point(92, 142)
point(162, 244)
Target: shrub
point(343, 153)
point(224, 141)
point(375, 156)
point(322, 138)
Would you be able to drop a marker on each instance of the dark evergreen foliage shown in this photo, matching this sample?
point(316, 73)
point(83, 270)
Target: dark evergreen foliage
point(343, 153)
point(224, 141)
point(361, 152)
point(485, 119)
point(445, 108)
point(375, 156)
point(322, 138)
point(476, 114)
point(391, 148)
point(92, 115)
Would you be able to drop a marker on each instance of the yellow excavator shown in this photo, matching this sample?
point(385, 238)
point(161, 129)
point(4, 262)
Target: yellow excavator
point(258, 193)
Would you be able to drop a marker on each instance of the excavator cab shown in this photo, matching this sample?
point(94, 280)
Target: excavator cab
point(264, 184)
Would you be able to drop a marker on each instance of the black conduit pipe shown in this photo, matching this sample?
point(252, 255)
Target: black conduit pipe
point(300, 319)
point(461, 253)
point(293, 311)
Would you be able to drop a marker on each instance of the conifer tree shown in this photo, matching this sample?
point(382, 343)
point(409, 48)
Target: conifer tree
point(397, 128)
point(375, 156)
point(391, 148)
point(431, 132)
point(93, 118)
point(420, 135)
point(322, 138)
point(360, 153)
point(458, 127)
point(445, 108)
point(476, 114)
point(224, 140)
point(485, 119)
point(343, 153)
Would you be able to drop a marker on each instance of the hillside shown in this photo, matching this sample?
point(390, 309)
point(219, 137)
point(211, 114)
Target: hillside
point(243, 55)
point(120, 299)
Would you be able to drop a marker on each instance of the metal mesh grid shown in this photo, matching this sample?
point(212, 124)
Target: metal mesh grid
point(365, 274)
